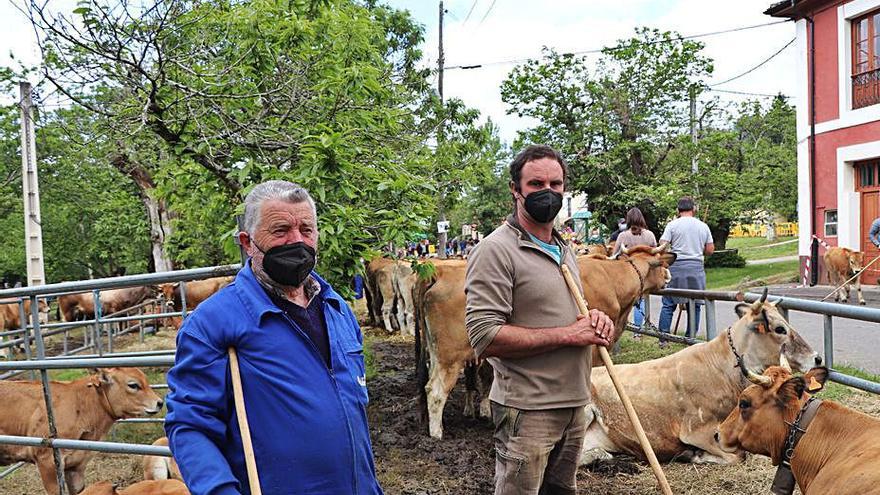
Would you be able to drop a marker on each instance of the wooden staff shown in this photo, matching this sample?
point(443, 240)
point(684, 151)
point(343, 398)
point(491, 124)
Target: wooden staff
point(630, 411)
point(241, 413)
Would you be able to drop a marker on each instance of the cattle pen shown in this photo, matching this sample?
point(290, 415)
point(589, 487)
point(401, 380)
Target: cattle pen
point(92, 339)
point(38, 361)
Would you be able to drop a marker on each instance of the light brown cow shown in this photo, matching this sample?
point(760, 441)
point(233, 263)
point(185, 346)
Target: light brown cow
point(85, 409)
point(157, 467)
point(380, 286)
point(81, 306)
point(841, 264)
point(153, 487)
point(598, 251)
point(403, 279)
point(840, 451)
point(10, 313)
point(196, 292)
point(612, 286)
point(682, 397)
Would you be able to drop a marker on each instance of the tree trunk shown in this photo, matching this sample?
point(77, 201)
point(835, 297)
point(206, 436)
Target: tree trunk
point(720, 232)
point(771, 231)
point(157, 211)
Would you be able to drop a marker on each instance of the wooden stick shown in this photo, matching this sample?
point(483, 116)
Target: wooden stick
point(630, 411)
point(241, 413)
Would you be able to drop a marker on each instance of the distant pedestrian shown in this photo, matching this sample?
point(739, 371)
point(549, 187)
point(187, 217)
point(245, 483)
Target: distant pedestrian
point(874, 232)
point(621, 227)
point(690, 240)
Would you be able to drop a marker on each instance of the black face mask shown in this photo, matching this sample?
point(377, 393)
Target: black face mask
point(543, 205)
point(289, 264)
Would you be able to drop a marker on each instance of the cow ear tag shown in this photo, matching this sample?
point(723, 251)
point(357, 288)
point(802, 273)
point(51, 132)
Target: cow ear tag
point(814, 385)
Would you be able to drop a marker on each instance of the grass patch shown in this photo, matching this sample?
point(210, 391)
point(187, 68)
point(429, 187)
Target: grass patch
point(752, 248)
point(636, 351)
point(731, 278)
point(369, 359)
point(837, 392)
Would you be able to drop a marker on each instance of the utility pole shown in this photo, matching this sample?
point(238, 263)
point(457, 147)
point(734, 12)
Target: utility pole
point(33, 232)
point(694, 168)
point(441, 214)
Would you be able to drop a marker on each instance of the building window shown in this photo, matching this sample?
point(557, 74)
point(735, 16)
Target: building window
point(830, 223)
point(866, 60)
point(867, 177)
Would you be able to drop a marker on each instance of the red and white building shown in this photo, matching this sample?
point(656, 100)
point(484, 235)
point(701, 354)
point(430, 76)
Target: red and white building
point(838, 122)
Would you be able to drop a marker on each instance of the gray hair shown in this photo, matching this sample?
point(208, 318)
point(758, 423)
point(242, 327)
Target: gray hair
point(281, 190)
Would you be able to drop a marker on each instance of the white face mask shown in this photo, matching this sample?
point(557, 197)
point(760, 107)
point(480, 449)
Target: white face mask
point(621, 226)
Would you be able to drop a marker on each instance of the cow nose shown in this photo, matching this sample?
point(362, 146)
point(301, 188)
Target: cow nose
point(818, 360)
point(717, 436)
point(159, 404)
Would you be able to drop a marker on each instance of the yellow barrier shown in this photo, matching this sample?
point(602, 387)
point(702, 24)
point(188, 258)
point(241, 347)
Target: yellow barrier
point(786, 229)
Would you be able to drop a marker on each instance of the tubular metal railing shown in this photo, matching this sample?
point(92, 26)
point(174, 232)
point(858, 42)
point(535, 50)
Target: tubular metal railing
point(32, 333)
point(828, 311)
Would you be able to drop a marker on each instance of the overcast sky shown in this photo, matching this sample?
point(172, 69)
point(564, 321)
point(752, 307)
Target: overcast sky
point(499, 30)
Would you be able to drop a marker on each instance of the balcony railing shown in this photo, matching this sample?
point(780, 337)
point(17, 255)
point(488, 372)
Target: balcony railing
point(866, 89)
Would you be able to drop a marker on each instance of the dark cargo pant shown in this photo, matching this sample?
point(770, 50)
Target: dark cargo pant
point(536, 452)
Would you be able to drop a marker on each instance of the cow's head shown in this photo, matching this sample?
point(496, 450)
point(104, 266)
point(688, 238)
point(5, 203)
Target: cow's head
point(166, 296)
point(125, 392)
point(761, 334)
point(758, 424)
point(656, 259)
point(855, 260)
point(43, 311)
point(599, 251)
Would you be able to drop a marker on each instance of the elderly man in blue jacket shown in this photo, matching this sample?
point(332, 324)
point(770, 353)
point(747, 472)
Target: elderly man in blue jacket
point(301, 357)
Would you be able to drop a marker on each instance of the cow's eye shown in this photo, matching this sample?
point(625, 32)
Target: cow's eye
point(134, 386)
point(779, 330)
point(744, 404)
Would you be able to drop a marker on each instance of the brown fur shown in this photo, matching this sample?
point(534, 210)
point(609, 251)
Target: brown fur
point(82, 412)
point(841, 264)
point(375, 291)
point(682, 397)
point(159, 487)
point(10, 316)
point(840, 452)
point(75, 307)
point(160, 467)
point(196, 292)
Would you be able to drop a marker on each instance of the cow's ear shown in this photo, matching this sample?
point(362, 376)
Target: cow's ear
point(668, 258)
point(104, 376)
point(791, 390)
point(741, 309)
point(815, 379)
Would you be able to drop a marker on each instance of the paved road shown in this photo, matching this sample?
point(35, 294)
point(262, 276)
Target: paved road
point(856, 343)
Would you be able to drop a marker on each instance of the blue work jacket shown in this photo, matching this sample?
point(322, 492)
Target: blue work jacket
point(308, 421)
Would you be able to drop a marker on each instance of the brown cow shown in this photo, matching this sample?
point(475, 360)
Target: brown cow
point(10, 313)
point(373, 292)
point(157, 467)
point(599, 251)
point(612, 286)
point(84, 409)
point(842, 264)
point(196, 292)
point(77, 307)
point(840, 451)
point(153, 487)
point(682, 397)
point(380, 287)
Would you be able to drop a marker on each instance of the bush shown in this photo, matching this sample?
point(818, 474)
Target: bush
point(727, 258)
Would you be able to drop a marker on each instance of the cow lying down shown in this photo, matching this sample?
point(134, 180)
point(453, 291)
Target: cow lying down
point(154, 487)
point(85, 409)
point(681, 398)
point(839, 451)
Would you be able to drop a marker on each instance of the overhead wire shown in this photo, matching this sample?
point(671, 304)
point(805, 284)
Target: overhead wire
point(488, 11)
point(468, 16)
point(771, 57)
point(616, 47)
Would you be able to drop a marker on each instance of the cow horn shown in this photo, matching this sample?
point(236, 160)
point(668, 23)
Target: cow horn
point(764, 295)
point(624, 249)
point(783, 361)
point(658, 249)
point(776, 302)
point(759, 379)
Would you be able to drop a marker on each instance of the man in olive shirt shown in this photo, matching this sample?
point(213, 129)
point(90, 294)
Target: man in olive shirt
point(522, 317)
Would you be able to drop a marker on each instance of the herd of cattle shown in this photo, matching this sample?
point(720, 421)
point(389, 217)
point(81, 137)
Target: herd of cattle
point(87, 408)
point(681, 398)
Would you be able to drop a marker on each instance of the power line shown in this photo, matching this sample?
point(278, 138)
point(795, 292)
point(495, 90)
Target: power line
point(755, 67)
point(746, 93)
point(616, 47)
point(468, 16)
point(488, 11)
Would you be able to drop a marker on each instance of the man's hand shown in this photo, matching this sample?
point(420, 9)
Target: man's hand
point(596, 328)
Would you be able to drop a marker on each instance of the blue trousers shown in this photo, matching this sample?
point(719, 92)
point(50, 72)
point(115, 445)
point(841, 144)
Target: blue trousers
point(639, 313)
point(666, 317)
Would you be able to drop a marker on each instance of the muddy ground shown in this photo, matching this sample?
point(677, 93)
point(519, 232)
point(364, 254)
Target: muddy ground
point(410, 462)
